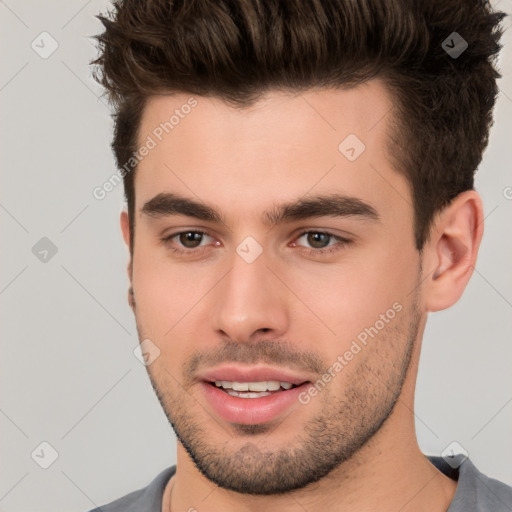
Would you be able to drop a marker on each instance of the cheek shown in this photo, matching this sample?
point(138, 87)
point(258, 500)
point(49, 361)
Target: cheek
point(164, 293)
point(167, 313)
point(349, 297)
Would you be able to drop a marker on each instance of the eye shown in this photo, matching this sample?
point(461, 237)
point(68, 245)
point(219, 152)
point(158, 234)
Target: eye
point(191, 239)
point(186, 240)
point(320, 242)
point(317, 240)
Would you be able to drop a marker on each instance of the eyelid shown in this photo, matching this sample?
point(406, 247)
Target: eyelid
point(167, 238)
point(201, 232)
point(177, 250)
point(344, 241)
point(173, 231)
point(321, 231)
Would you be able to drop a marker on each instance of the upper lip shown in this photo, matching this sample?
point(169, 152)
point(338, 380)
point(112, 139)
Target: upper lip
point(233, 373)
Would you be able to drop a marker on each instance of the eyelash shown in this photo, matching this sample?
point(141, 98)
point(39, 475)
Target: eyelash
point(311, 252)
point(166, 240)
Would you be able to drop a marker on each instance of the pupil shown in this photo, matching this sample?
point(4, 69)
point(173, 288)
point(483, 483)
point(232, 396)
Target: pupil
point(191, 239)
point(318, 240)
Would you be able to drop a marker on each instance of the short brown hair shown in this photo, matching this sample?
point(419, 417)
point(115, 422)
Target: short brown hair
point(239, 49)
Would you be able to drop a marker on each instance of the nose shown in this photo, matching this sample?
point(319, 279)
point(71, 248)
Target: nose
point(249, 301)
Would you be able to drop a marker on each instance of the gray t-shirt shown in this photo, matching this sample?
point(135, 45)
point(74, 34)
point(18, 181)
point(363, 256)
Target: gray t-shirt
point(475, 492)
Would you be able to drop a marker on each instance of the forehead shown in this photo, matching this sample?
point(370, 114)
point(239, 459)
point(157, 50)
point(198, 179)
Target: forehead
point(282, 147)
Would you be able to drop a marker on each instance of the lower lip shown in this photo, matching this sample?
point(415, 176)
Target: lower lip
point(250, 411)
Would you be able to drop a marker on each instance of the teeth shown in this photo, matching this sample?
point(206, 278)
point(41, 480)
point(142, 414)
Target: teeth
point(270, 385)
point(247, 395)
point(241, 386)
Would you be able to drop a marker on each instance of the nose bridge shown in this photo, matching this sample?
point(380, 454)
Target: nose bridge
point(250, 299)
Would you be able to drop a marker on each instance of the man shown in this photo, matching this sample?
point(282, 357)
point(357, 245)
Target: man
point(299, 180)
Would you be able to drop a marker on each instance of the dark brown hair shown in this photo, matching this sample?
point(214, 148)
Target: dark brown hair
point(238, 49)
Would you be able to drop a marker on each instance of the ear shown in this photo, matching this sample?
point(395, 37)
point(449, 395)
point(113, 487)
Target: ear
point(125, 229)
point(450, 252)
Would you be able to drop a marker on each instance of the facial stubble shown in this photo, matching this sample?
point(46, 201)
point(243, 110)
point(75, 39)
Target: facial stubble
point(351, 410)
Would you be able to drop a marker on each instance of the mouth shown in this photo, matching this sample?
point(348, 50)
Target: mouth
point(252, 403)
point(252, 389)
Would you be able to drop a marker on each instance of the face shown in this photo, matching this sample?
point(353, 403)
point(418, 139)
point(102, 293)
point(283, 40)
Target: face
point(271, 247)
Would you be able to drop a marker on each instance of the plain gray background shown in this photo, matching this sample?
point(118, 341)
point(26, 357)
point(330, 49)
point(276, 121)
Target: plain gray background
point(68, 373)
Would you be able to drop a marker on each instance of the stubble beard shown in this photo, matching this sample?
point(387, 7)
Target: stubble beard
point(351, 411)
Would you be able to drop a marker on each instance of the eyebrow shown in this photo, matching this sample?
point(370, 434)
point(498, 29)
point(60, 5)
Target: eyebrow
point(332, 205)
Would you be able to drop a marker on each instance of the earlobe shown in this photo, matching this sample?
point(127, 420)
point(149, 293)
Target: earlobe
point(125, 229)
point(451, 252)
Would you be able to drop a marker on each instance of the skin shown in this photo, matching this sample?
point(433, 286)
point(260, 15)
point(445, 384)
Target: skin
point(353, 446)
